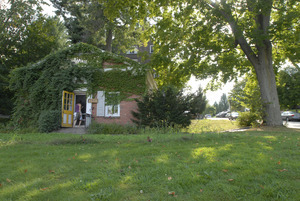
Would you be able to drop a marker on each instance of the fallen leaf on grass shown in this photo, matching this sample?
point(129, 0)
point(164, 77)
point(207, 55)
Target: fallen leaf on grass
point(8, 180)
point(225, 170)
point(172, 193)
point(0, 185)
point(43, 189)
point(169, 178)
point(25, 171)
point(201, 190)
point(230, 179)
point(51, 171)
point(283, 170)
point(262, 186)
point(278, 162)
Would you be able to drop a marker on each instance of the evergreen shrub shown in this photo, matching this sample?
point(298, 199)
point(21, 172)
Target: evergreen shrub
point(49, 121)
point(164, 108)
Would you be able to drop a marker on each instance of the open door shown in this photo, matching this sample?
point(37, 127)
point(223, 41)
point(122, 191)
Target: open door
point(67, 109)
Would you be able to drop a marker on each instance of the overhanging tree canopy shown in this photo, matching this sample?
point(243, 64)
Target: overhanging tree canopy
point(25, 36)
point(224, 39)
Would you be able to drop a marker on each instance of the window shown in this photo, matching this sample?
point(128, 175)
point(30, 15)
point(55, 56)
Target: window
point(108, 104)
point(151, 49)
point(112, 104)
point(112, 110)
point(133, 50)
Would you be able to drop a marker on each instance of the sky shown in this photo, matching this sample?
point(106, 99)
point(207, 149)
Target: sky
point(211, 96)
point(49, 10)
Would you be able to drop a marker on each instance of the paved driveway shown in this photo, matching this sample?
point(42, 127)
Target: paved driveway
point(292, 124)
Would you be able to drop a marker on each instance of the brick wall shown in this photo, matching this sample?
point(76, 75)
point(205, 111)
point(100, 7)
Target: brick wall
point(125, 113)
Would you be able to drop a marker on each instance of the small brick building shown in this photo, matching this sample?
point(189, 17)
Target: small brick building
point(96, 108)
point(121, 113)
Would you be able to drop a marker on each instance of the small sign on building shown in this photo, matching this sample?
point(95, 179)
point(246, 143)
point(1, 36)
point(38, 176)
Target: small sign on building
point(93, 100)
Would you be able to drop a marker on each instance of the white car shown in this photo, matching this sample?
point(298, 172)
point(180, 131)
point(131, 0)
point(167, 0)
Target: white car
point(290, 116)
point(233, 115)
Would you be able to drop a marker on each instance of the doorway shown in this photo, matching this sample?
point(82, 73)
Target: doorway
point(79, 98)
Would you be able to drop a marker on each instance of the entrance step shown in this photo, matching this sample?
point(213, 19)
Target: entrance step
point(76, 130)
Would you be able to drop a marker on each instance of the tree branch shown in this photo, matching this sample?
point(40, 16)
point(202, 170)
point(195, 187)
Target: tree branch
point(240, 39)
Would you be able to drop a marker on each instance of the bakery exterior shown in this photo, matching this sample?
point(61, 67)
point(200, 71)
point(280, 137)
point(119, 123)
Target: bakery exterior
point(105, 84)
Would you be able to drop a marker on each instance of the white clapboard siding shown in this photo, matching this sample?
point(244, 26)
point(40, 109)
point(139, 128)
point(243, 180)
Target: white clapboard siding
point(101, 104)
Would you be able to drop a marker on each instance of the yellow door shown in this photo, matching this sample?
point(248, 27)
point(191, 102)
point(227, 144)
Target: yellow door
point(67, 109)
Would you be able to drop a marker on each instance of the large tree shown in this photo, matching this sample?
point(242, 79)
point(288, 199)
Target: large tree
point(94, 22)
point(226, 38)
point(25, 36)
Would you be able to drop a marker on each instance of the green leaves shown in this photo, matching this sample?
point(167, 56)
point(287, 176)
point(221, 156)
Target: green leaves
point(288, 87)
point(39, 86)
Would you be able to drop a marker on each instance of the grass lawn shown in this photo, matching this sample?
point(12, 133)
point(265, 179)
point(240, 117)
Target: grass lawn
point(208, 125)
point(251, 165)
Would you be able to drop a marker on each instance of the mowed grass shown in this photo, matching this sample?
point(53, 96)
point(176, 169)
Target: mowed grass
point(251, 165)
point(209, 125)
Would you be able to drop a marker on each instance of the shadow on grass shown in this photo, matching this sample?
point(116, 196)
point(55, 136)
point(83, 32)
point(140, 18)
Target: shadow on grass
point(227, 166)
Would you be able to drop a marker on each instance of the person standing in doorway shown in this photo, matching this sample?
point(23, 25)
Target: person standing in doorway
point(77, 114)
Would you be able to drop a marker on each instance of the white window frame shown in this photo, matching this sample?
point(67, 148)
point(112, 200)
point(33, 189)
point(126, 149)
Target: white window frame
point(133, 51)
point(109, 107)
point(151, 48)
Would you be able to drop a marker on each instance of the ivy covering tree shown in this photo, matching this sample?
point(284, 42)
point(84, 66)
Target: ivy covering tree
point(167, 107)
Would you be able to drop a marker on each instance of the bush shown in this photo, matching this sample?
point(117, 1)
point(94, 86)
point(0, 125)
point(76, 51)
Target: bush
point(163, 108)
point(49, 120)
point(247, 119)
point(97, 128)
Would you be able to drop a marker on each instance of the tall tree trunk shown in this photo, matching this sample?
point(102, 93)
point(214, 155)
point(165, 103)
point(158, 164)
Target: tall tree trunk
point(267, 84)
point(262, 60)
point(109, 36)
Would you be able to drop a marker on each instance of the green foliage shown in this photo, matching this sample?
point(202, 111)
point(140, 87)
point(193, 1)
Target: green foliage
point(246, 94)
point(26, 36)
point(288, 87)
point(246, 119)
point(165, 107)
point(39, 86)
point(197, 102)
point(98, 128)
point(237, 96)
point(226, 39)
point(223, 104)
point(49, 121)
point(91, 22)
point(210, 110)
